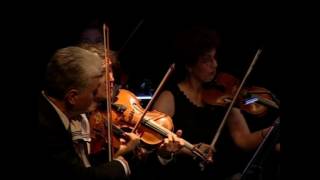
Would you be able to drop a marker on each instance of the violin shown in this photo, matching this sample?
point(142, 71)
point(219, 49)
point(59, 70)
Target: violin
point(126, 111)
point(254, 100)
point(154, 126)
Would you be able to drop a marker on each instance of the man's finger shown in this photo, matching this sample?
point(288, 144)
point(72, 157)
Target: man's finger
point(170, 137)
point(166, 141)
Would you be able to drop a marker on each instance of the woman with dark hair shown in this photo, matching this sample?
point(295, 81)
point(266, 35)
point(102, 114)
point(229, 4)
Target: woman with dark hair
point(196, 64)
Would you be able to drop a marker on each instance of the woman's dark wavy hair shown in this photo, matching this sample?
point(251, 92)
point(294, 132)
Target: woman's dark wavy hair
point(189, 45)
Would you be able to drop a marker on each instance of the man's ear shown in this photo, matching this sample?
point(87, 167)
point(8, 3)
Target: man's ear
point(72, 96)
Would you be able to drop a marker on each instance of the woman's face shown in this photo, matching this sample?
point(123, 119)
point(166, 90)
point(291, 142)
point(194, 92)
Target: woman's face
point(205, 68)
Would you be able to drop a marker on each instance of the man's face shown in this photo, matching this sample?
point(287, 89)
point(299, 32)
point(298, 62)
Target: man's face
point(86, 100)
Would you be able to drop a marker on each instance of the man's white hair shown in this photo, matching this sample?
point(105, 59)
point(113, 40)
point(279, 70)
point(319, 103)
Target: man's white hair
point(71, 68)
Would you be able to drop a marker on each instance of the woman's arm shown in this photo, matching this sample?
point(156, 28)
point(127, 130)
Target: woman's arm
point(240, 131)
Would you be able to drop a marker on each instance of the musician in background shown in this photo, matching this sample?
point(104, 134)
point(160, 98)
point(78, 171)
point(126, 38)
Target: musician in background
point(196, 64)
point(91, 38)
point(92, 33)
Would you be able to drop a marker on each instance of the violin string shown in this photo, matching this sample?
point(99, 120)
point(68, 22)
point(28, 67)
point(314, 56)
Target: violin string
point(155, 126)
point(163, 132)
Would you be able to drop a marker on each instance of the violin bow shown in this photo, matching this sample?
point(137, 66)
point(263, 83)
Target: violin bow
point(164, 79)
point(108, 90)
point(130, 36)
point(214, 140)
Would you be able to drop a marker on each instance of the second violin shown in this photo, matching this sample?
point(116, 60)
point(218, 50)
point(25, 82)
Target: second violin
point(254, 100)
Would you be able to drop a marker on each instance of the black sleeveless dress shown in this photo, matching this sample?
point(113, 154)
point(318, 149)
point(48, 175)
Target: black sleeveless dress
point(199, 125)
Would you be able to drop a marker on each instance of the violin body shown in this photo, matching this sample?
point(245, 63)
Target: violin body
point(254, 108)
point(98, 132)
point(152, 125)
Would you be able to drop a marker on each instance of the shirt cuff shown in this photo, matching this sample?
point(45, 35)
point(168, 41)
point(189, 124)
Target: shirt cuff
point(125, 166)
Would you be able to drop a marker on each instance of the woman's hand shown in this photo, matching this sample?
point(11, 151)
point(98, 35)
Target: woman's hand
point(172, 144)
point(207, 150)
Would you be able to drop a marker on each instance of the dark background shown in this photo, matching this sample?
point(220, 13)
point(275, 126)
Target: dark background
point(147, 55)
point(35, 31)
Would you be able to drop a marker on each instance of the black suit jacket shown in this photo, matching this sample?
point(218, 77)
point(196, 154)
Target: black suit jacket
point(58, 158)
